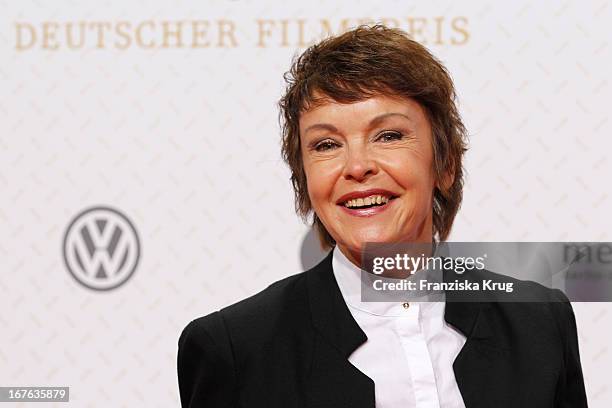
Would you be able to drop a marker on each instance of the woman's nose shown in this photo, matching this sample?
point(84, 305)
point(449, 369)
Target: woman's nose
point(359, 164)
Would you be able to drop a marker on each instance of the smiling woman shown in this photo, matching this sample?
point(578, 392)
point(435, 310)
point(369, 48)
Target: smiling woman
point(376, 86)
point(377, 149)
point(374, 141)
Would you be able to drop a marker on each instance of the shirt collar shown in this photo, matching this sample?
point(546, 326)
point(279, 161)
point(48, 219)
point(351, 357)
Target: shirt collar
point(348, 277)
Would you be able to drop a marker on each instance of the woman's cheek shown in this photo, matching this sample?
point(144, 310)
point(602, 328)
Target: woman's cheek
point(319, 189)
point(324, 175)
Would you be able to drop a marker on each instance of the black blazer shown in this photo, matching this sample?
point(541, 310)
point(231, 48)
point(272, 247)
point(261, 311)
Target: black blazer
point(288, 346)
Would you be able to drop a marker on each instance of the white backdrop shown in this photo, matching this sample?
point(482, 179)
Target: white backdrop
point(179, 132)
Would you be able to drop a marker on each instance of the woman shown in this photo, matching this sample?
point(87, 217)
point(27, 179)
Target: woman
point(375, 145)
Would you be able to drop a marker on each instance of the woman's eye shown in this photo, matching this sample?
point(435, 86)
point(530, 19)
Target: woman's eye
point(389, 136)
point(325, 145)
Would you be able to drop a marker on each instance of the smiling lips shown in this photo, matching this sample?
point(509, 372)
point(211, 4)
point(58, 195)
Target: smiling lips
point(371, 200)
point(366, 203)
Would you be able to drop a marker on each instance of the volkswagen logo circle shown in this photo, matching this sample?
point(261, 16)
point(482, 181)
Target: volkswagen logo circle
point(101, 248)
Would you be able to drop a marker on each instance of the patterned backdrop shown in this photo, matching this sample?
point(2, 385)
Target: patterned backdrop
point(162, 116)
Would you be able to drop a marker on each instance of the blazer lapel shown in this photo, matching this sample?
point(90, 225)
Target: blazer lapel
point(483, 357)
point(334, 381)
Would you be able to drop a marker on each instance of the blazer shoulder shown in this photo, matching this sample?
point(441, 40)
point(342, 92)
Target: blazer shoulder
point(546, 308)
point(280, 307)
point(212, 348)
point(287, 298)
point(205, 363)
point(278, 298)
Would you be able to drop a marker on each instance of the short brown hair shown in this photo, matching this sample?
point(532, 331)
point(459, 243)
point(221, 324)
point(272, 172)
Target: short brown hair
point(369, 61)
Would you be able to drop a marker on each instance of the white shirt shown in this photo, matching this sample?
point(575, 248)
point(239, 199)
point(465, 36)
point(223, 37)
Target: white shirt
point(410, 350)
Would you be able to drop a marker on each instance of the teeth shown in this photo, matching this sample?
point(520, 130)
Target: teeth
point(360, 202)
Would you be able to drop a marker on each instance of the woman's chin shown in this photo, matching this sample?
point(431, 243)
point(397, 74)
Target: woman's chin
point(360, 242)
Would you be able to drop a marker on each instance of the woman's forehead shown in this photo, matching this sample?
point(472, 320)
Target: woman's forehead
point(327, 109)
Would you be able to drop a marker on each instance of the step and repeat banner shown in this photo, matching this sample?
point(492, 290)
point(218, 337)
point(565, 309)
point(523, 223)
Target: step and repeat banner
point(142, 183)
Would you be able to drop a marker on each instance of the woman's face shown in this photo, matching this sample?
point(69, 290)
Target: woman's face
point(369, 169)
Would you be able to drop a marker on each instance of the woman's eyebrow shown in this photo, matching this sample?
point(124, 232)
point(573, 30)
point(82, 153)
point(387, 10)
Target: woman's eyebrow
point(373, 123)
point(381, 118)
point(321, 126)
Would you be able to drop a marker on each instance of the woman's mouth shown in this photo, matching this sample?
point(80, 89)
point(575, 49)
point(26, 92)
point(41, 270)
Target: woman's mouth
point(367, 206)
point(367, 202)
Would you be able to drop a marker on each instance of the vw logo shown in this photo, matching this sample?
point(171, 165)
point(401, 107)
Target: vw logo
point(101, 248)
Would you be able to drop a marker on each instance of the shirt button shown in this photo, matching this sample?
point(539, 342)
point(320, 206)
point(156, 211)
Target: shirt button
point(405, 305)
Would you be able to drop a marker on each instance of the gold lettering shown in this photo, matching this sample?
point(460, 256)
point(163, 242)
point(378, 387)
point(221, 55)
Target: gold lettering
point(48, 31)
point(198, 30)
point(263, 31)
point(363, 21)
point(285, 39)
point(301, 41)
point(70, 35)
point(460, 28)
point(121, 29)
point(438, 21)
point(390, 22)
point(415, 27)
point(20, 45)
point(327, 30)
point(229, 32)
point(168, 33)
point(285, 32)
point(100, 27)
point(138, 34)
